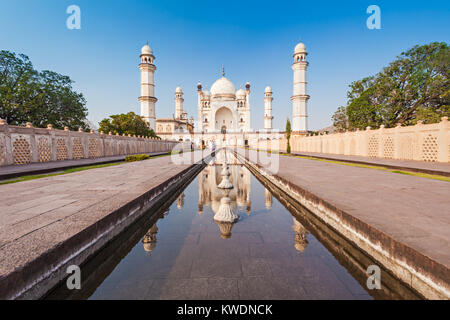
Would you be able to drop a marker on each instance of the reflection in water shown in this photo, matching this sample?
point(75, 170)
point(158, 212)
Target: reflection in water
point(225, 183)
point(180, 201)
point(268, 199)
point(225, 212)
point(300, 236)
point(210, 195)
point(260, 260)
point(149, 239)
point(225, 228)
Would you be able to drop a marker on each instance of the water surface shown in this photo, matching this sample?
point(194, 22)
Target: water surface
point(182, 253)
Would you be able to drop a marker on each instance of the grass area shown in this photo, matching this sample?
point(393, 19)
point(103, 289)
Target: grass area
point(374, 167)
point(67, 171)
point(359, 165)
point(137, 157)
point(423, 175)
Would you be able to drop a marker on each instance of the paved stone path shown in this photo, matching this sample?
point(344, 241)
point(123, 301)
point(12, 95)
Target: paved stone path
point(7, 172)
point(418, 166)
point(413, 210)
point(38, 215)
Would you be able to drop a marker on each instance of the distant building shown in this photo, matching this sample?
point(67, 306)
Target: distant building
point(177, 127)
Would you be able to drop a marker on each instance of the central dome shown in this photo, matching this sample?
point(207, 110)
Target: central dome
point(223, 86)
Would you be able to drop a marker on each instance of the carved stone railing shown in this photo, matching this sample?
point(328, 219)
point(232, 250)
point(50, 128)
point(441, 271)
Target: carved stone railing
point(421, 142)
point(23, 145)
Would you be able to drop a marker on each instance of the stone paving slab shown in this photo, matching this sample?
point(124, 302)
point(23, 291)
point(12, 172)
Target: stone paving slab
point(417, 166)
point(7, 172)
point(39, 215)
point(413, 211)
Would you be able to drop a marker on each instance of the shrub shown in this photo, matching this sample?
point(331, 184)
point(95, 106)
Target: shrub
point(136, 157)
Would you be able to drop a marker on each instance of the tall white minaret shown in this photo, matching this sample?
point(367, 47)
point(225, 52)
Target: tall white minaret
point(268, 108)
point(178, 103)
point(147, 98)
point(300, 98)
point(199, 127)
point(247, 106)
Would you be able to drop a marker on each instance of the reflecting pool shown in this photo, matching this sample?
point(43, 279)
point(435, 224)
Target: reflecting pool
point(269, 253)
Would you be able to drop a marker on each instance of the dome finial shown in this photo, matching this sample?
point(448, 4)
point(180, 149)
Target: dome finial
point(223, 70)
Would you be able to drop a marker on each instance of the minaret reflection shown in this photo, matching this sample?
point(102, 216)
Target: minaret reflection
point(268, 199)
point(180, 201)
point(300, 236)
point(149, 240)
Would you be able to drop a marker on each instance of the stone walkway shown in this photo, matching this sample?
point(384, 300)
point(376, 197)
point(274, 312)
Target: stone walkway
point(7, 172)
point(39, 215)
point(409, 165)
point(411, 210)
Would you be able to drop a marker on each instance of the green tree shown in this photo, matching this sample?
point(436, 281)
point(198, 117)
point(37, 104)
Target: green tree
point(288, 135)
point(126, 123)
point(414, 87)
point(42, 98)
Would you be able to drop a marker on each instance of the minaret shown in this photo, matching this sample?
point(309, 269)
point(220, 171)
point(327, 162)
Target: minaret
point(178, 103)
point(247, 105)
point(147, 98)
point(199, 126)
point(300, 98)
point(268, 108)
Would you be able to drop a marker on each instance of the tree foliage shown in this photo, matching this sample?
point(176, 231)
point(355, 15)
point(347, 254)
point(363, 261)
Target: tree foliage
point(126, 123)
point(340, 119)
point(414, 87)
point(288, 135)
point(40, 97)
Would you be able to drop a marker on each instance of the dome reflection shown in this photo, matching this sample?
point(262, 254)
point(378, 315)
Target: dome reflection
point(225, 229)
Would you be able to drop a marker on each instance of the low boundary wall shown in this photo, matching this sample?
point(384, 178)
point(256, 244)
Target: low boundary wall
point(24, 145)
point(421, 142)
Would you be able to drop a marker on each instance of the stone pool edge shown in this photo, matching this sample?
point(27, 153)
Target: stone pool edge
point(424, 275)
point(49, 269)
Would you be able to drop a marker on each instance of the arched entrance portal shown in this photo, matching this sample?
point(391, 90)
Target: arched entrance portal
point(224, 119)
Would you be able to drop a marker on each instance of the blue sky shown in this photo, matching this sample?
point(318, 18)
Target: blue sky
point(192, 39)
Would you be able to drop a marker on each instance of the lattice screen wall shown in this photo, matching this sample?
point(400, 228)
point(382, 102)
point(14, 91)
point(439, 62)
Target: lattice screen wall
point(373, 146)
point(20, 145)
point(21, 150)
point(45, 153)
point(388, 147)
point(422, 142)
point(430, 148)
point(61, 149)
